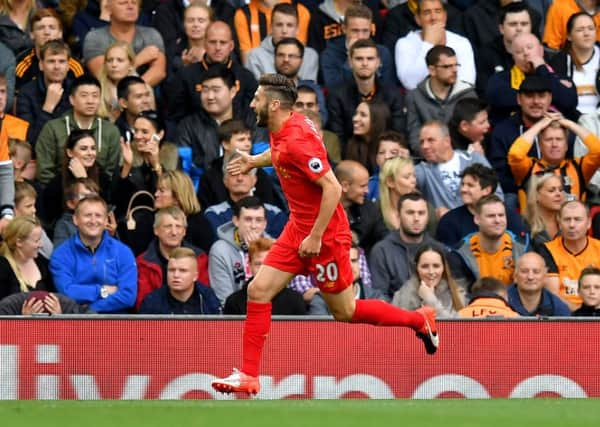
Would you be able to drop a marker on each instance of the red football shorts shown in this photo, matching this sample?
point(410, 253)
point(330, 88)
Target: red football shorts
point(331, 269)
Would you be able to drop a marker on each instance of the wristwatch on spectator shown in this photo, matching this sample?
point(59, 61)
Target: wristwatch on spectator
point(103, 292)
point(8, 213)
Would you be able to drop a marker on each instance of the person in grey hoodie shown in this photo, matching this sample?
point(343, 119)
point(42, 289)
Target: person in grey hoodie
point(435, 97)
point(228, 267)
point(284, 24)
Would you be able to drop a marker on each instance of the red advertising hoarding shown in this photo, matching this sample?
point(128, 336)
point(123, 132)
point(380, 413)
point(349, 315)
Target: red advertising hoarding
point(177, 359)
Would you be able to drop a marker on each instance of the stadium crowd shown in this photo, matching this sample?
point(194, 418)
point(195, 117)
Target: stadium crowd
point(464, 134)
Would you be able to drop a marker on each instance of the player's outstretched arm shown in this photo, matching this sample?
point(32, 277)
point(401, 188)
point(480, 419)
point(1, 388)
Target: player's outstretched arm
point(245, 163)
point(332, 192)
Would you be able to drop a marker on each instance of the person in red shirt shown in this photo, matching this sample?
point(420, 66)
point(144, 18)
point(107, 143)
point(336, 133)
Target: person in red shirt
point(316, 239)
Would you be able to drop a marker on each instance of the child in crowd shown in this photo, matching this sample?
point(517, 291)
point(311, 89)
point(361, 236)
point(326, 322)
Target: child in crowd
point(20, 154)
point(25, 198)
point(589, 290)
point(390, 144)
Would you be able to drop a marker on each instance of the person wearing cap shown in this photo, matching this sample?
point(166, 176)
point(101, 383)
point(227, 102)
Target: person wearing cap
point(528, 56)
point(552, 133)
point(534, 98)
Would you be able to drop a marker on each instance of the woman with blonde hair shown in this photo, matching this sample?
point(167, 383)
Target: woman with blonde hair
point(21, 267)
point(396, 178)
point(119, 60)
point(544, 199)
point(175, 188)
point(432, 284)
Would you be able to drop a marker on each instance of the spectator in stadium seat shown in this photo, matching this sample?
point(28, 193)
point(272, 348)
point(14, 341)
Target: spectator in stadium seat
point(182, 294)
point(438, 177)
point(390, 144)
point(492, 251)
point(46, 97)
point(147, 43)
point(199, 129)
point(28, 303)
point(286, 302)
point(489, 300)
point(589, 290)
point(335, 69)
point(431, 284)
point(401, 20)
point(134, 96)
point(240, 187)
point(480, 22)
point(74, 192)
point(364, 216)
point(551, 131)
point(469, 125)
point(15, 23)
point(545, 196)
point(92, 267)
point(495, 56)
point(569, 253)
point(476, 182)
point(20, 154)
point(396, 178)
point(411, 49)
point(528, 57)
point(364, 86)
point(45, 26)
point(85, 100)
point(434, 98)
point(233, 135)
point(391, 259)
point(369, 121)
point(183, 90)
point(170, 227)
point(228, 266)
point(7, 70)
point(555, 31)
point(326, 23)
point(11, 127)
point(527, 295)
point(284, 24)
point(310, 97)
point(253, 24)
point(22, 268)
point(25, 205)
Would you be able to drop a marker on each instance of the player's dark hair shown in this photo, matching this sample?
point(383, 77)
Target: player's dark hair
point(487, 200)
point(231, 127)
point(435, 53)
point(414, 196)
point(219, 71)
point(125, 83)
point(250, 202)
point(285, 9)
point(290, 41)
point(487, 177)
point(279, 87)
point(84, 80)
point(514, 7)
point(362, 44)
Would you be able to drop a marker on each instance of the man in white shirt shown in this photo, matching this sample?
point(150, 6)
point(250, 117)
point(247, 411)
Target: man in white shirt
point(411, 50)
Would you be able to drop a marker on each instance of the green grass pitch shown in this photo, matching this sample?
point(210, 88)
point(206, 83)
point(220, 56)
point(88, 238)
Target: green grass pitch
point(305, 413)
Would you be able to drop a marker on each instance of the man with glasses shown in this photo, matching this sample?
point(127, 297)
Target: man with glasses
point(436, 96)
point(410, 50)
point(284, 24)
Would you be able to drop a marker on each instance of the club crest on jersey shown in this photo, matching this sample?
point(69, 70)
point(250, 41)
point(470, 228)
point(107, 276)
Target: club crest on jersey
point(315, 165)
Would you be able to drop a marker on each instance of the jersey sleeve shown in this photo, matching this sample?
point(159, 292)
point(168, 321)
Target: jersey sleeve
point(308, 151)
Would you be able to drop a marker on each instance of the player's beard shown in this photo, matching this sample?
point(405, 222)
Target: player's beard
point(262, 117)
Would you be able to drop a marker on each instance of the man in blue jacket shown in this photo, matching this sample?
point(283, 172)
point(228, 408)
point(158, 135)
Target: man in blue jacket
point(182, 295)
point(93, 268)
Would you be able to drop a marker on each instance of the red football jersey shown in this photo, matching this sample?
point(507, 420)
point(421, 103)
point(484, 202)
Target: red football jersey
point(299, 158)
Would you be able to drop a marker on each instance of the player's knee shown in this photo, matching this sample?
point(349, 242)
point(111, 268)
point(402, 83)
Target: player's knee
point(258, 293)
point(343, 314)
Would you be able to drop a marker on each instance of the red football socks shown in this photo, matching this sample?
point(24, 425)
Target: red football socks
point(256, 328)
point(381, 313)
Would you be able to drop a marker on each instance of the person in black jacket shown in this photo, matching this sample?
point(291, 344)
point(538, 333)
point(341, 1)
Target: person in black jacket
point(182, 295)
point(46, 97)
point(364, 216)
point(184, 89)
point(364, 86)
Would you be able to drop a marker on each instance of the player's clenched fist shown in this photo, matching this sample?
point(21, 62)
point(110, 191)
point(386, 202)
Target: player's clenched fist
point(310, 246)
point(240, 165)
